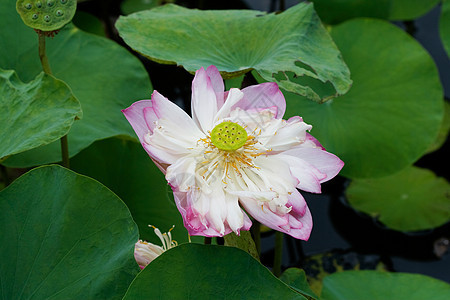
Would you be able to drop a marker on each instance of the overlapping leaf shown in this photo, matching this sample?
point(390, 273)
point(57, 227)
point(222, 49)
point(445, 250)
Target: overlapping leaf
point(207, 272)
point(64, 236)
point(34, 113)
point(103, 76)
point(296, 278)
point(236, 41)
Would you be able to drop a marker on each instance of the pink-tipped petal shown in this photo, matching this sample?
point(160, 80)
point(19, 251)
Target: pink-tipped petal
point(204, 102)
point(297, 202)
point(311, 142)
point(217, 84)
point(150, 117)
point(166, 109)
point(263, 214)
point(135, 115)
point(263, 95)
point(325, 162)
point(233, 97)
point(309, 177)
point(304, 231)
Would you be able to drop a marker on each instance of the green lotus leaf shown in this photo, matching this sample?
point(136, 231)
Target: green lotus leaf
point(103, 76)
point(207, 272)
point(131, 6)
point(27, 108)
point(444, 25)
point(411, 200)
point(296, 278)
point(64, 236)
point(394, 110)
point(336, 11)
point(383, 285)
point(443, 131)
point(237, 41)
point(137, 181)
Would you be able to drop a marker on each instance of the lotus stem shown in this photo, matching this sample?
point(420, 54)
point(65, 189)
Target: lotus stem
point(278, 255)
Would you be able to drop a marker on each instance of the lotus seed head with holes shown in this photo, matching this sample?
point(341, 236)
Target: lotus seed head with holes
point(228, 136)
point(46, 15)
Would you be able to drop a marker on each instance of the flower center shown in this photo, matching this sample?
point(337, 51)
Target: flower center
point(228, 136)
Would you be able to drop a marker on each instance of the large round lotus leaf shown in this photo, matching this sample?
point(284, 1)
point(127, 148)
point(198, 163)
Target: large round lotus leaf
point(444, 25)
point(103, 76)
point(413, 199)
point(64, 236)
point(394, 109)
point(236, 41)
point(335, 11)
point(193, 271)
point(137, 181)
point(383, 285)
point(27, 108)
point(46, 15)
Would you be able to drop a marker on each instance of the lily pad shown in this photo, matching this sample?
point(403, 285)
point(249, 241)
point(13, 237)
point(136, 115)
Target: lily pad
point(444, 25)
point(411, 200)
point(68, 236)
point(394, 110)
point(137, 181)
point(27, 108)
point(103, 76)
point(236, 41)
point(208, 272)
point(383, 285)
point(332, 11)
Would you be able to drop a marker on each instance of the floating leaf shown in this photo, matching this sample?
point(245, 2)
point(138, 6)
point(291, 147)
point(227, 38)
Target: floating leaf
point(27, 108)
point(124, 167)
point(394, 110)
point(413, 199)
point(64, 235)
point(383, 285)
point(208, 272)
point(444, 25)
point(296, 278)
point(332, 11)
point(103, 76)
point(237, 41)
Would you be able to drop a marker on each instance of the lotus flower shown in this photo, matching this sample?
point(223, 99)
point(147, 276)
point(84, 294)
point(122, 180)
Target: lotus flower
point(236, 153)
point(145, 252)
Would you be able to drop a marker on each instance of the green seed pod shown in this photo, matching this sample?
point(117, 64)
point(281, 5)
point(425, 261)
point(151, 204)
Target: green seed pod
point(46, 15)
